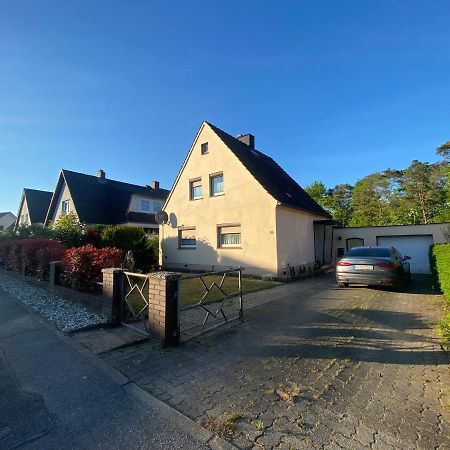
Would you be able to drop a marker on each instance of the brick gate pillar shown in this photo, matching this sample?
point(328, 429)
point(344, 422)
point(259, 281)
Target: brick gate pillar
point(113, 292)
point(163, 307)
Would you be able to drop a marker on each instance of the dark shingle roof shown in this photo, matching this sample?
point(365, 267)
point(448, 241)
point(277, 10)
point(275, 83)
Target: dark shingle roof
point(38, 203)
point(270, 175)
point(103, 201)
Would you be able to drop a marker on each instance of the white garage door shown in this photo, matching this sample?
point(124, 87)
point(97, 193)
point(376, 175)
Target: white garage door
point(415, 246)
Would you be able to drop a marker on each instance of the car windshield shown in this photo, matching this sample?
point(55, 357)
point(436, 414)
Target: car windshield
point(376, 252)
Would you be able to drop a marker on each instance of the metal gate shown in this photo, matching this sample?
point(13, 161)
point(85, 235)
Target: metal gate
point(134, 312)
point(205, 311)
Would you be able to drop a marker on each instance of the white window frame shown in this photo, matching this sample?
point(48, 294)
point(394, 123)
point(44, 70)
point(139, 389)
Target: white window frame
point(197, 182)
point(65, 207)
point(187, 230)
point(212, 177)
point(229, 229)
point(147, 208)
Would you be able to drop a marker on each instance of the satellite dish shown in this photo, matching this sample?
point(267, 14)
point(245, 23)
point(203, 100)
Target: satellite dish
point(161, 217)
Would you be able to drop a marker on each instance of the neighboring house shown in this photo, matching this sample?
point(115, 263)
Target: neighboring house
point(411, 240)
point(33, 207)
point(232, 205)
point(7, 220)
point(99, 200)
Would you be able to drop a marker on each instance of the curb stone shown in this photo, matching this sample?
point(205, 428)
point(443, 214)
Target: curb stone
point(184, 422)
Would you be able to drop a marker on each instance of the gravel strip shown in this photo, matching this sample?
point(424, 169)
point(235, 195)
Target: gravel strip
point(67, 316)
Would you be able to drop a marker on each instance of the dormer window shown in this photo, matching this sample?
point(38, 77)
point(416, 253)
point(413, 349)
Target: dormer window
point(65, 207)
point(145, 205)
point(204, 148)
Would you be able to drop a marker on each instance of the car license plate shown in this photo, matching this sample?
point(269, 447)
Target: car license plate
point(363, 267)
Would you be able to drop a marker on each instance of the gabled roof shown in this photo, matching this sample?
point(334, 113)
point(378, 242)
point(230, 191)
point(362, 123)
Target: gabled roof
point(100, 201)
point(38, 203)
point(4, 213)
point(270, 175)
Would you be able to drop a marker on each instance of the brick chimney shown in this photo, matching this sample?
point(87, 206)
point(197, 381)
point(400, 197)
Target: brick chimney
point(247, 139)
point(154, 185)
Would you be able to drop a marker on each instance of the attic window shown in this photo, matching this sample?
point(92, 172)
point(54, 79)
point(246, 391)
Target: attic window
point(65, 207)
point(204, 148)
point(145, 206)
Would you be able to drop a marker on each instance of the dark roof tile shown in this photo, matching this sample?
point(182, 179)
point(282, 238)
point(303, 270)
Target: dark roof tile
point(104, 201)
point(38, 203)
point(270, 175)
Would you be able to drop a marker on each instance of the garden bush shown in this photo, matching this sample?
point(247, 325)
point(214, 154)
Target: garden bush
point(68, 230)
point(440, 269)
point(84, 265)
point(143, 246)
point(34, 254)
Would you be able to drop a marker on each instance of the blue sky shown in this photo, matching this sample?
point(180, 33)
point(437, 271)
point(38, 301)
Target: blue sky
point(332, 90)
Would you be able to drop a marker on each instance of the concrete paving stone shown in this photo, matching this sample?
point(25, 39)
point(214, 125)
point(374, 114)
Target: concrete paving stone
point(269, 439)
point(393, 372)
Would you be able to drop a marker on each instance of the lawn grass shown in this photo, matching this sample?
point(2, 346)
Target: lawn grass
point(192, 289)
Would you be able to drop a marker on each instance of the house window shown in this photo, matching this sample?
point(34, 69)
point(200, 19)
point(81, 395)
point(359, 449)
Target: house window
point(65, 207)
point(216, 184)
point(195, 187)
point(187, 238)
point(145, 205)
point(354, 242)
point(204, 148)
point(229, 236)
point(157, 206)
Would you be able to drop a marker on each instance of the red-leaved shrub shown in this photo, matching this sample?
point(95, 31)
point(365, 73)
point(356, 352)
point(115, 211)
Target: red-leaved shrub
point(34, 254)
point(84, 264)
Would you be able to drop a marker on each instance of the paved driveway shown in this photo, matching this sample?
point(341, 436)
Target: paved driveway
point(318, 367)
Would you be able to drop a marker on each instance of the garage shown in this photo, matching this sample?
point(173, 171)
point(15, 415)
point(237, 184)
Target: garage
point(417, 247)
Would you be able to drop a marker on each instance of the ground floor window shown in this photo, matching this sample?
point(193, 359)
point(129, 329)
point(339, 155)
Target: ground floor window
point(187, 237)
point(229, 236)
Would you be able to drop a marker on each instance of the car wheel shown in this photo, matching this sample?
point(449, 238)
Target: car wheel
point(343, 284)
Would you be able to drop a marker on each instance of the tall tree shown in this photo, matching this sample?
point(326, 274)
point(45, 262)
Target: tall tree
point(423, 190)
point(341, 203)
point(370, 201)
point(444, 150)
point(318, 191)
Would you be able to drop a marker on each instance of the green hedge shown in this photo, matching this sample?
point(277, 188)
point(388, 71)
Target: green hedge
point(440, 267)
point(440, 270)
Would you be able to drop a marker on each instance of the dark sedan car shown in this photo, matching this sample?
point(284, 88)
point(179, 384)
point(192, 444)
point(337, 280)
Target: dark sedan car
point(373, 266)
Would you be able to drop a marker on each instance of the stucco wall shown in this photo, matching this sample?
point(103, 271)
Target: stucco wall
point(7, 220)
point(244, 202)
point(295, 238)
point(135, 203)
point(65, 195)
point(369, 234)
point(24, 211)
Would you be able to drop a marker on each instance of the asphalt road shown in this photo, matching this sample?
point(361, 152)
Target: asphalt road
point(54, 395)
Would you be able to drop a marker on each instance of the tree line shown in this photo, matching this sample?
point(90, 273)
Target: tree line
point(419, 194)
